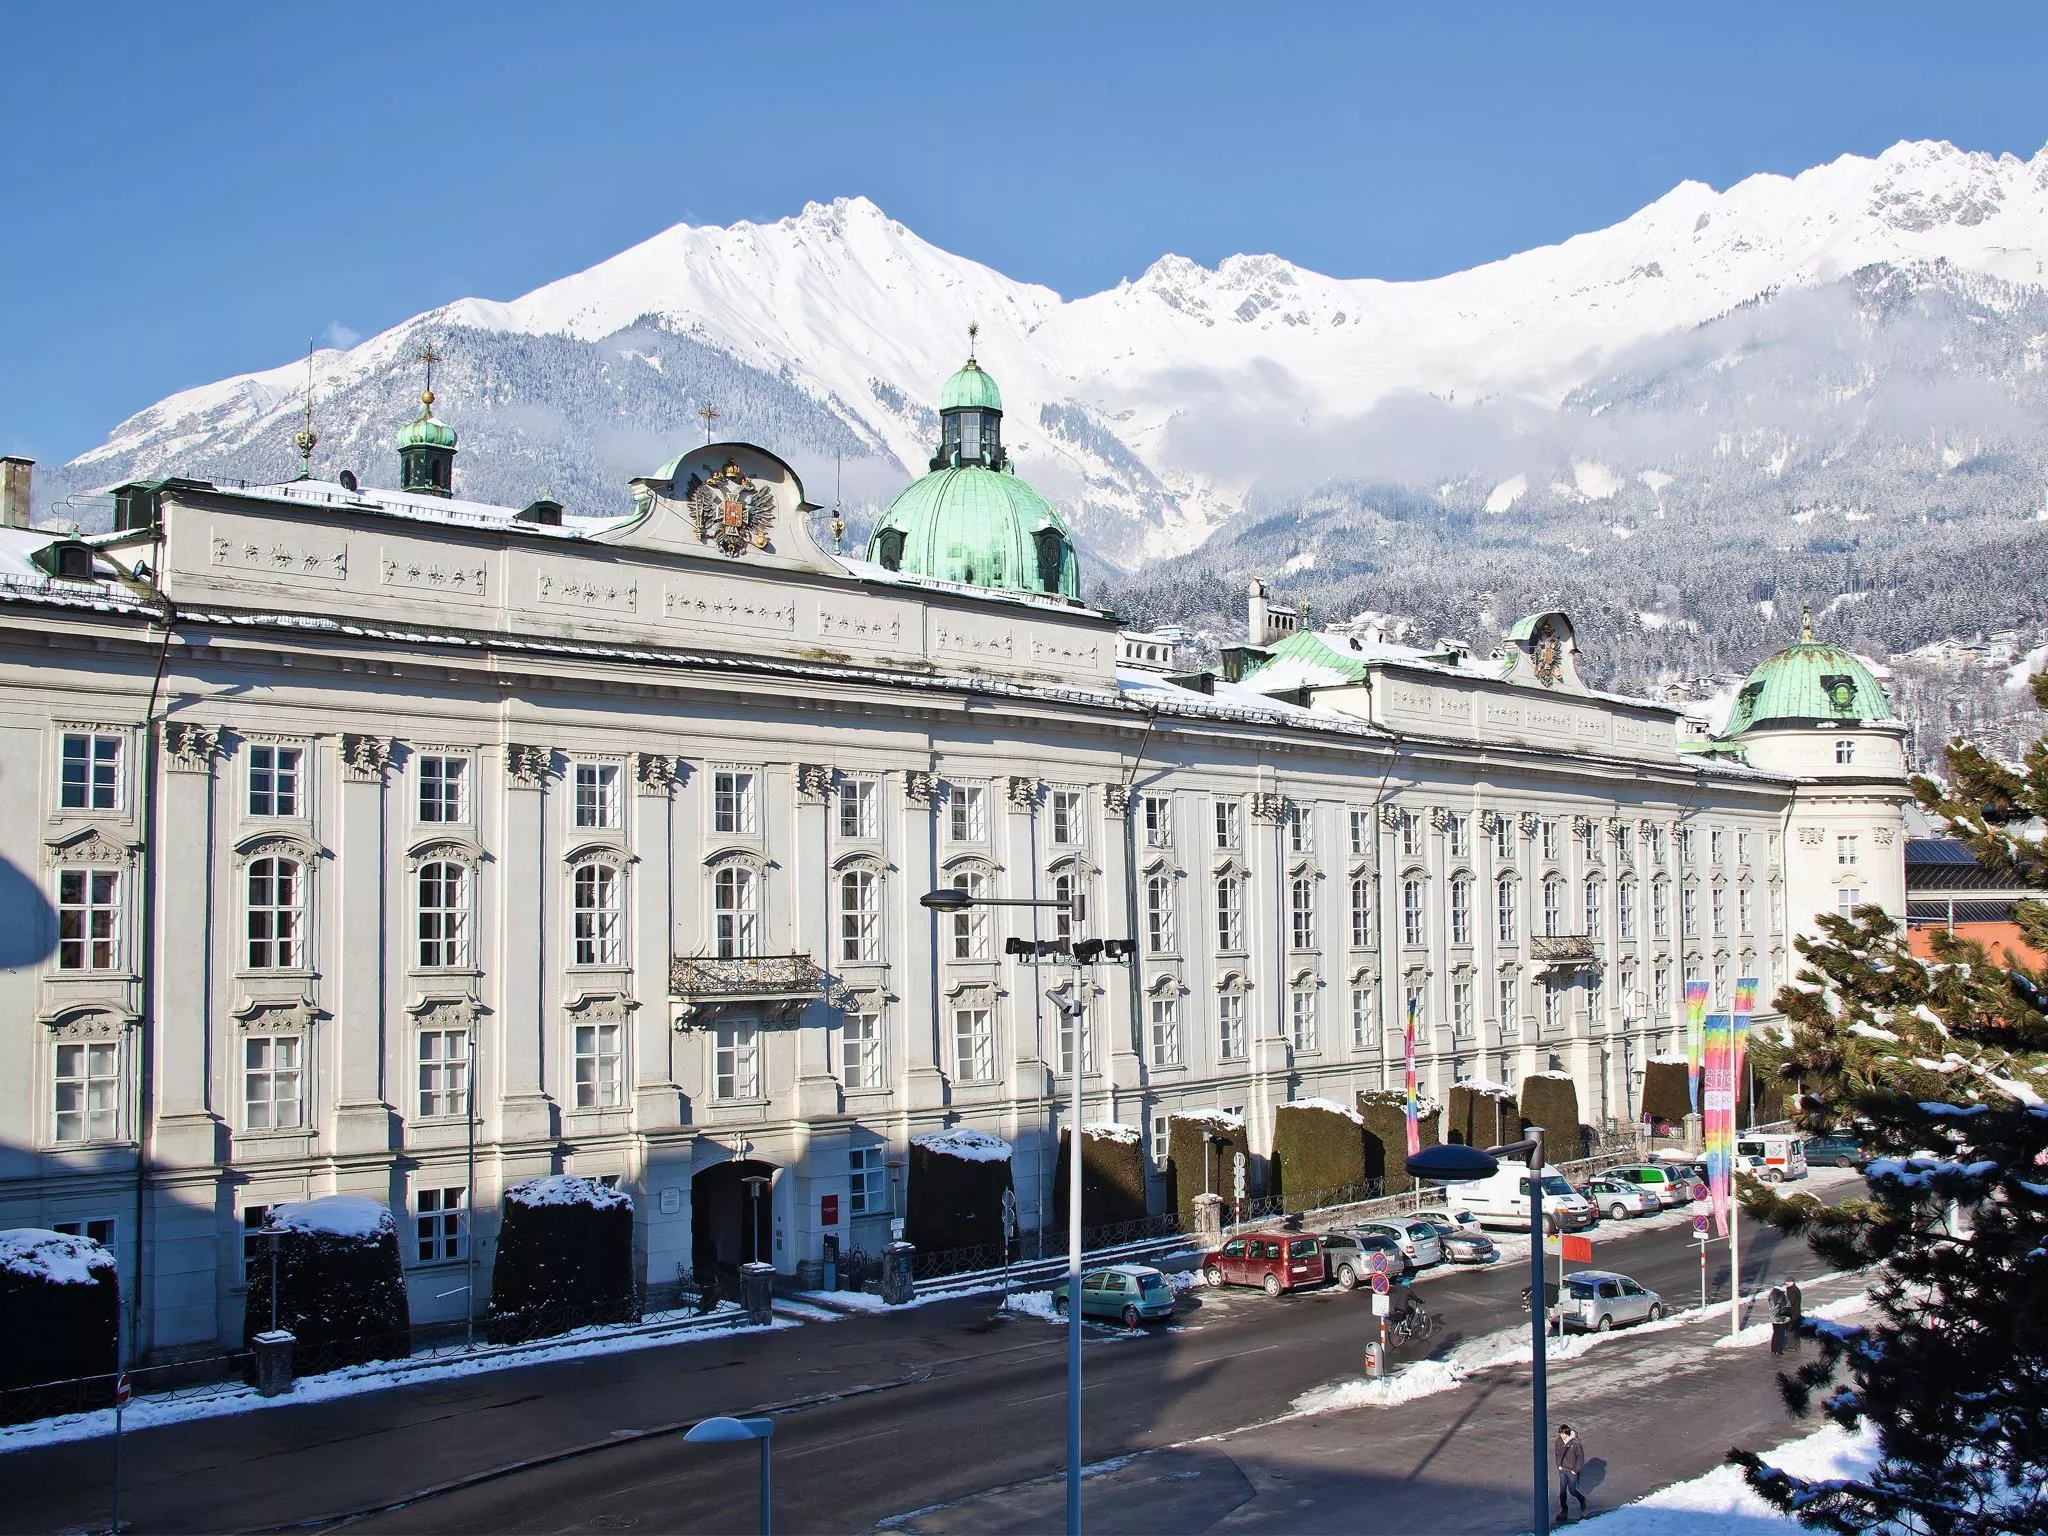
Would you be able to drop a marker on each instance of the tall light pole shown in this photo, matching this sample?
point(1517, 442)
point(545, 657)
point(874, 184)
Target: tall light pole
point(723, 1431)
point(1074, 1006)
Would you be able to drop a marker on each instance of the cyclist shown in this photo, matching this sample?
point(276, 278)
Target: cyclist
point(1405, 1313)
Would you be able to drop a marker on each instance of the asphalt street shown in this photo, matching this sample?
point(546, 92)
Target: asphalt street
point(879, 1416)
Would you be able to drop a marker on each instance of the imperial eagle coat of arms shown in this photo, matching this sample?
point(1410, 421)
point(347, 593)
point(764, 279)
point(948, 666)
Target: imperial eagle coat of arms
point(733, 511)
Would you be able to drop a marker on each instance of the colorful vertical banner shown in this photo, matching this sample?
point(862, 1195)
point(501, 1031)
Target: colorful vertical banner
point(1408, 1055)
point(1745, 1004)
point(1695, 1021)
point(1717, 1107)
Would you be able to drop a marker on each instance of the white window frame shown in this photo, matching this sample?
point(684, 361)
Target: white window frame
point(1848, 850)
point(274, 913)
point(89, 918)
point(1156, 820)
point(859, 805)
point(1365, 900)
point(441, 1060)
point(1507, 910)
point(1411, 835)
point(598, 1050)
point(1508, 999)
point(735, 911)
point(597, 914)
point(1301, 827)
point(867, 1180)
point(1364, 1015)
point(970, 926)
point(87, 1092)
point(1230, 935)
point(1230, 1038)
point(1596, 893)
point(736, 1061)
point(597, 796)
point(444, 926)
point(1625, 909)
point(1161, 935)
point(443, 789)
point(1461, 909)
point(1457, 839)
point(1414, 917)
point(100, 782)
point(860, 914)
point(1229, 825)
point(275, 1065)
point(1165, 1030)
point(440, 1231)
point(1064, 807)
point(1361, 833)
point(275, 781)
point(1553, 906)
point(974, 1042)
point(1504, 837)
point(1301, 912)
point(1847, 899)
point(1463, 1011)
point(1845, 752)
point(735, 802)
point(1301, 1016)
point(967, 813)
point(860, 1048)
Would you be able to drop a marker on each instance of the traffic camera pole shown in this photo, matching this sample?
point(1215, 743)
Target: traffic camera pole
point(1539, 1383)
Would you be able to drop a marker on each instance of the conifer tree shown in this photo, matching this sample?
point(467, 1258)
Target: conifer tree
point(1940, 1066)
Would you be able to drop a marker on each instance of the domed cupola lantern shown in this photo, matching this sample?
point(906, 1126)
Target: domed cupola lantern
point(426, 448)
point(970, 417)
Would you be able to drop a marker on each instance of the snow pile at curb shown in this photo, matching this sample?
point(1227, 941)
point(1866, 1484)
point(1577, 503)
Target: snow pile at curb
point(1760, 1333)
point(1425, 1378)
point(1036, 1304)
point(1720, 1502)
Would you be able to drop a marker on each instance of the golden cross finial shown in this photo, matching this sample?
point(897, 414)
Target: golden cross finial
point(429, 355)
point(305, 439)
point(709, 414)
point(973, 330)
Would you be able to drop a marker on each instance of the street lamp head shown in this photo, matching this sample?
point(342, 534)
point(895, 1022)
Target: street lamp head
point(724, 1431)
point(1452, 1163)
point(947, 899)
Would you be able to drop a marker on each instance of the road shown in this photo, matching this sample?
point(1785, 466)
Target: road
point(885, 1415)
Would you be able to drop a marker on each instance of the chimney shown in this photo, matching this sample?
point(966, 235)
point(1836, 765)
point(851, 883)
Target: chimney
point(14, 480)
point(1255, 627)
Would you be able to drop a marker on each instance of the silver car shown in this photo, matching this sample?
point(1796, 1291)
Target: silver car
point(1415, 1235)
point(1618, 1201)
point(1597, 1299)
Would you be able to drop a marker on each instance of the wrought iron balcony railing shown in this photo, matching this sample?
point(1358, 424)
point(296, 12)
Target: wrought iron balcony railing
point(1564, 949)
point(746, 979)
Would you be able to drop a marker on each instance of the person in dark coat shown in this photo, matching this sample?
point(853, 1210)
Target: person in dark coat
point(1570, 1453)
point(1795, 1300)
point(1781, 1319)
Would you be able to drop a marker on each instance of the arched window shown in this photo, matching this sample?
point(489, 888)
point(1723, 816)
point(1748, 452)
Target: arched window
point(276, 914)
point(1461, 909)
point(860, 915)
point(1067, 887)
point(1506, 923)
point(1229, 913)
point(970, 928)
point(1660, 909)
point(735, 912)
point(1553, 907)
point(594, 914)
point(1302, 898)
point(1625, 909)
point(1365, 896)
point(1159, 926)
point(1413, 932)
point(444, 911)
point(1594, 891)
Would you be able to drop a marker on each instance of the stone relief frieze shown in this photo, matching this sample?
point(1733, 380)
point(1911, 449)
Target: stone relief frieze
point(606, 594)
point(972, 640)
point(93, 845)
point(726, 610)
point(296, 557)
point(456, 579)
point(851, 624)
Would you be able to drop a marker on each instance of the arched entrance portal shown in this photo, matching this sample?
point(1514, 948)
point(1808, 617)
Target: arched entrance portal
point(729, 1224)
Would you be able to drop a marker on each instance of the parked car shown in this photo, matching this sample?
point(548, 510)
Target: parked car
point(1348, 1256)
point(1463, 1245)
point(1620, 1200)
point(1655, 1179)
point(1836, 1152)
point(1415, 1234)
point(1784, 1157)
point(1598, 1299)
point(1274, 1261)
point(1130, 1293)
point(1690, 1172)
point(1502, 1200)
point(1443, 1213)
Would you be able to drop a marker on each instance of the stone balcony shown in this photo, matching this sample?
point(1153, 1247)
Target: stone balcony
point(781, 986)
point(1574, 951)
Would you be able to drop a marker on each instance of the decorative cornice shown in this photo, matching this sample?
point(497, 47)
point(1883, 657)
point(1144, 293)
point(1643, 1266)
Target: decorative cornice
point(1810, 836)
point(1528, 821)
point(364, 758)
point(91, 845)
point(1116, 798)
point(654, 773)
point(1439, 817)
point(190, 748)
point(1268, 807)
point(1391, 815)
point(1489, 822)
point(1883, 836)
point(919, 786)
point(526, 767)
point(1022, 791)
point(813, 783)
point(1582, 824)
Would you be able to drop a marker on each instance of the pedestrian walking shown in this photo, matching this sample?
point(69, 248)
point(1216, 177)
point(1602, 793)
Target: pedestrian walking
point(1781, 1319)
point(1795, 1302)
point(1571, 1461)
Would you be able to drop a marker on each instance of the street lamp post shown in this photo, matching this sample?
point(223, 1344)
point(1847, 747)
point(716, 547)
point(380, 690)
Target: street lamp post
point(1450, 1163)
point(953, 899)
point(723, 1431)
point(755, 1183)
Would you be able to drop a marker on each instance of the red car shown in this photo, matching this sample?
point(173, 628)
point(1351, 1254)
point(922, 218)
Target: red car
point(1276, 1261)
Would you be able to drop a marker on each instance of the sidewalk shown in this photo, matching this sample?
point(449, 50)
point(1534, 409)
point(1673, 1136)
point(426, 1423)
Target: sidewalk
point(1308, 1471)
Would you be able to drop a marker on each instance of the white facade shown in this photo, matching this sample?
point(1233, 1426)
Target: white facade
point(633, 829)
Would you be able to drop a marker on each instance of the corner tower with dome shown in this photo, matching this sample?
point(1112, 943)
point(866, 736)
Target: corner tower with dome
point(971, 519)
point(1816, 714)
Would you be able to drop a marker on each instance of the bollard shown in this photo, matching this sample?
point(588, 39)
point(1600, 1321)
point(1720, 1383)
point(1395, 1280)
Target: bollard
point(273, 1349)
point(1209, 1220)
point(898, 1286)
point(757, 1293)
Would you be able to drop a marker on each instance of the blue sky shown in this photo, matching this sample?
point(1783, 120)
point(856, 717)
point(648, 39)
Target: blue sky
point(192, 191)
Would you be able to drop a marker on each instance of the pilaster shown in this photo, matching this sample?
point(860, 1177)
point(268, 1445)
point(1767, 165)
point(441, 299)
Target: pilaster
point(923, 1081)
point(657, 1101)
point(188, 1131)
point(812, 932)
point(524, 935)
point(364, 1122)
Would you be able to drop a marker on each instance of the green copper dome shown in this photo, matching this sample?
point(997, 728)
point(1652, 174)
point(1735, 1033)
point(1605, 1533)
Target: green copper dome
point(980, 527)
point(427, 430)
point(1805, 683)
point(971, 389)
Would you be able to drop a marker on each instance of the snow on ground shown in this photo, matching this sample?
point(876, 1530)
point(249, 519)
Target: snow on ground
point(1721, 1504)
point(1036, 1304)
point(1760, 1333)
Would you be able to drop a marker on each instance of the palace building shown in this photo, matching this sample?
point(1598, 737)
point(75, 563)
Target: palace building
point(380, 842)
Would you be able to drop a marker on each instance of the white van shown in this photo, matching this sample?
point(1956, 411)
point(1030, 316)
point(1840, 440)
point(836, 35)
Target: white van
point(1784, 1156)
point(1502, 1200)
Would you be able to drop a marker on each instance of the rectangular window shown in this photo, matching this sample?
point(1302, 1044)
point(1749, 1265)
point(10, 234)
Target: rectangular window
point(598, 1081)
point(1596, 997)
point(88, 1091)
point(1301, 1018)
point(1504, 837)
point(594, 914)
point(1302, 911)
point(1301, 828)
point(1364, 898)
point(1660, 991)
point(1229, 914)
point(1594, 906)
point(736, 1061)
point(1411, 835)
point(1461, 1009)
point(1845, 752)
point(860, 1050)
point(1159, 924)
point(867, 1182)
point(1720, 910)
point(974, 1045)
point(1589, 842)
point(1717, 846)
point(1687, 849)
point(444, 1073)
point(91, 772)
point(1230, 1026)
point(1625, 909)
point(1073, 1031)
point(1229, 824)
point(1660, 847)
point(1457, 837)
point(444, 789)
point(1553, 1005)
point(1166, 1032)
point(1624, 843)
point(274, 781)
point(967, 813)
point(1065, 806)
point(597, 794)
point(859, 809)
point(88, 919)
point(1660, 910)
point(734, 806)
point(1364, 1016)
point(1510, 1002)
point(1547, 831)
point(1847, 899)
point(440, 1224)
point(1742, 848)
point(272, 1080)
point(1846, 850)
point(94, 1229)
point(1414, 1005)
point(1689, 911)
point(1162, 1134)
point(1156, 812)
point(1361, 834)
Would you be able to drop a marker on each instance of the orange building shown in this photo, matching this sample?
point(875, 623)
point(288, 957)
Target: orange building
point(1949, 891)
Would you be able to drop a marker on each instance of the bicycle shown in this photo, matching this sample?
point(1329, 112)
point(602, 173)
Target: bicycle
point(1416, 1324)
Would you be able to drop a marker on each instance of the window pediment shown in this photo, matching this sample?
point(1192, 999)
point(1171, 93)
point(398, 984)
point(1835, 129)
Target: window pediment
point(1364, 974)
point(1074, 864)
point(92, 845)
point(1233, 983)
point(1305, 978)
point(970, 864)
point(259, 1015)
point(1231, 866)
point(1164, 984)
point(752, 858)
point(88, 1022)
point(1160, 863)
point(598, 1007)
point(599, 853)
point(872, 863)
point(275, 845)
point(971, 994)
point(436, 849)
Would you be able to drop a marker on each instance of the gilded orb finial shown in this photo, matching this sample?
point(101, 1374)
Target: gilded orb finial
point(429, 355)
point(306, 439)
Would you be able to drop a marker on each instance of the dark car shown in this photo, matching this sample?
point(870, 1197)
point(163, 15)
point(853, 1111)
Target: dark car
point(1349, 1256)
point(1836, 1152)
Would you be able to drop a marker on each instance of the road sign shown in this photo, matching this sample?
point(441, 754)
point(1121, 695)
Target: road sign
point(1382, 1304)
point(1237, 1174)
point(121, 1388)
point(1377, 1263)
point(1699, 1191)
point(1578, 1250)
point(1553, 1242)
point(1379, 1285)
point(1699, 1227)
point(1009, 1214)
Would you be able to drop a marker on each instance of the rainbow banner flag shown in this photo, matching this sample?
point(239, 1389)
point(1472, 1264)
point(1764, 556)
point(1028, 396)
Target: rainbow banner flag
point(1408, 1054)
point(1695, 1020)
point(1718, 1107)
point(1745, 1004)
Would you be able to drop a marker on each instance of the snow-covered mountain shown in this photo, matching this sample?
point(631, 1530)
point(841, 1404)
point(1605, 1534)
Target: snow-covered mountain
point(1154, 410)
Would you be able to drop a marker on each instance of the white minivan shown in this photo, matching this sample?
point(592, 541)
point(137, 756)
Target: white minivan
point(1502, 1200)
point(1784, 1156)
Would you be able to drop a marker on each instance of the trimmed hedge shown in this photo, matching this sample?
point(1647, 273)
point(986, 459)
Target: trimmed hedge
point(953, 1201)
point(1666, 1096)
point(565, 1260)
point(1386, 1134)
point(340, 1286)
point(1315, 1148)
point(1476, 1118)
point(1553, 1103)
point(1188, 1152)
point(1112, 1177)
point(60, 1313)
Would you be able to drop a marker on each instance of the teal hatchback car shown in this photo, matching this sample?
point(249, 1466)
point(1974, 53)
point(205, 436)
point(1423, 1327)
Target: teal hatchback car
point(1129, 1293)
